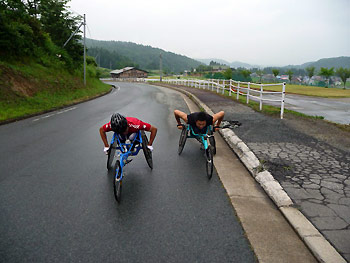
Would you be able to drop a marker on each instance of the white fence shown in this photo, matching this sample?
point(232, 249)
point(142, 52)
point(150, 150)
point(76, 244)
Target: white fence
point(250, 90)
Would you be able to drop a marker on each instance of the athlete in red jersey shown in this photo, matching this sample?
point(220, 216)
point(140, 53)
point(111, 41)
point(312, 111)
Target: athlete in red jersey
point(128, 127)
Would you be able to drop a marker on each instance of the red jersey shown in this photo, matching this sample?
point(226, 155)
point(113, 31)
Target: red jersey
point(134, 125)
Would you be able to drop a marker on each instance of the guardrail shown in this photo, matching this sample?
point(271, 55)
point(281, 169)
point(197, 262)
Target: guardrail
point(250, 90)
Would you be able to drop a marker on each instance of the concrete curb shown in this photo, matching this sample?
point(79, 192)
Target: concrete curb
point(318, 245)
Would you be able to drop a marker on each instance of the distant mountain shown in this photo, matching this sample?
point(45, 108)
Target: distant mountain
point(336, 62)
point(329, 63)
point(235, 64)
point(145, 57)
point(208, 60)
point(238, 64)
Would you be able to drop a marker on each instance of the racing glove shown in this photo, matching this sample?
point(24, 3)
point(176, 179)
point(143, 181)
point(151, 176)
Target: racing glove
point(150, 148)
point(105, 149)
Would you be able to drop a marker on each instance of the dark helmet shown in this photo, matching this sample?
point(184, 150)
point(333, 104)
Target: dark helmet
point(118, 123)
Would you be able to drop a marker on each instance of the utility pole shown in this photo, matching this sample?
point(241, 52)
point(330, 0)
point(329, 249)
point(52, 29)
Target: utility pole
point(76, 30)
point(84, 50)
point(160, 67)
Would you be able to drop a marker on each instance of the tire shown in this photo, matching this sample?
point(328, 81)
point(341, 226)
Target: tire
point(111, 154)
point(117, 184)
point(210, 162)
point(182, 141)
point(212, 143)
point(147, 152)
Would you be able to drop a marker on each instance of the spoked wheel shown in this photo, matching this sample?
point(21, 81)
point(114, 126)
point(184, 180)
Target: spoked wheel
point(210, 162)
point(117, 182)
point(212, 142)
point(182, 141)
point(111, 154)
point(147, 152)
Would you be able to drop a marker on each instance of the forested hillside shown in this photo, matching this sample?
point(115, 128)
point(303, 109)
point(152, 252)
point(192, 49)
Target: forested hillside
point(131, 54)
point(36, 72)
point(329, 63)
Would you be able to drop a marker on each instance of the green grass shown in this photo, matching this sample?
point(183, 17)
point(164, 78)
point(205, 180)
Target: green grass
point(45, 89)
point(300, 89)
point(306, 90)
point(313, 91)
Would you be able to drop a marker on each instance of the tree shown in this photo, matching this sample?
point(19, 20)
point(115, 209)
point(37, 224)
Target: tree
point(290, 75)
point(246, 74)
point(275, 72)
point(343, 73)
point(214, 63)
point(60, 24)
point(228, 73)
point(310, 72)
point(20, 34)
point(260, 73)
point(327, 73)
point(203, 68)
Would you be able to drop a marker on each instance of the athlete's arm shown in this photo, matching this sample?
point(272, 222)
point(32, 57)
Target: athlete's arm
point(104, 137)
point(217, 118)
point(153, 131)
point(180, 115)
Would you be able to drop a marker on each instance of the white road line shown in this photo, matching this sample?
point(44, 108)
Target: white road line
point(117, 88)
point(47, 116)
point(59, 112)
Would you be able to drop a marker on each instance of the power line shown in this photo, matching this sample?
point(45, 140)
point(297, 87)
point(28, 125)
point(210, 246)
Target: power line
point(70, 9)
point(89, 30)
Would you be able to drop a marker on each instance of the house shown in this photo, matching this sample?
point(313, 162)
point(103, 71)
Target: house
point(129, 72)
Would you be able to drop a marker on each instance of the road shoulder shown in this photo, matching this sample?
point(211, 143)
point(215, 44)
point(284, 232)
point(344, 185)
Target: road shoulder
point(318, 245)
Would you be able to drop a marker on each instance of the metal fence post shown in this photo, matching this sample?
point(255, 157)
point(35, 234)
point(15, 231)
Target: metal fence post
point(283, 96)
point(230, 87)
point(237, 90)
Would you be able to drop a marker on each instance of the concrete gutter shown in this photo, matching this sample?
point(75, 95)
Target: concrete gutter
point(318, 245)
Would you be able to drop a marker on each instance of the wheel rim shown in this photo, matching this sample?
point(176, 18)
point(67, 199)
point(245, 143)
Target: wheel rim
point(110, 159)
point(147, 152)
point(117, 182)
point(212, 144)
point(210, 163)
point(182, 140)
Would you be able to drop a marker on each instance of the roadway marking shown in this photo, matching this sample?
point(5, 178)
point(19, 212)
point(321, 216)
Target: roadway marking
point(116, 89)
point(53, 114)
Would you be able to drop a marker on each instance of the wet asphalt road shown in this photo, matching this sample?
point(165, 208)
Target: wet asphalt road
point(56, 196)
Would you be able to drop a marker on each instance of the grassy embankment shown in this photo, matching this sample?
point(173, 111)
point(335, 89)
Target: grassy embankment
point(27, 89)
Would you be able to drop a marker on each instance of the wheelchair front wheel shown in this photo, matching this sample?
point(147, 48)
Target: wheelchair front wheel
point(117, 182)
point(182, 141)
point(111, 154)
point(212, 143)
point(147, 152)
point(210, 162)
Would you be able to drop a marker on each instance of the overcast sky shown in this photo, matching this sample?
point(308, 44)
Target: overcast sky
point(263, 32)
